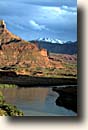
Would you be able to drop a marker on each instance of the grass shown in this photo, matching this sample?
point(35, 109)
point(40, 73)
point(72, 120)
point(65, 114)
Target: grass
point(7, 86)
point(68, 71)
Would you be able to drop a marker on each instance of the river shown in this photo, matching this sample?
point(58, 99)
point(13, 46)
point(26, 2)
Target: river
point(35, 101)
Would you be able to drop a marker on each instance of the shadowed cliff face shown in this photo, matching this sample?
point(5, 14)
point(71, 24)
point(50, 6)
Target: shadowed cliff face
point(22, 56)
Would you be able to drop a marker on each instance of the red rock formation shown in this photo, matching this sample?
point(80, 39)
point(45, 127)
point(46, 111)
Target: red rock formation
point(22, 54)
point(43, 52)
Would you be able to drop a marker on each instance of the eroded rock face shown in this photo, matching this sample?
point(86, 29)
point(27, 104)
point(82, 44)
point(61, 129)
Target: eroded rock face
point(44, 52)
point(19, 53)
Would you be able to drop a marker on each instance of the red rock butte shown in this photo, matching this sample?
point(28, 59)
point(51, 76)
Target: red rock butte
point(25, 56)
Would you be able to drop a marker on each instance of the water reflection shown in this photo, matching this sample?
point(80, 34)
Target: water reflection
point(35, 101)
point(27, 94)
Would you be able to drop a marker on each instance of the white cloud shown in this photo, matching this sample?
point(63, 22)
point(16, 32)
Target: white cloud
point(60, 11)
point(36, 26)
point(72, 9)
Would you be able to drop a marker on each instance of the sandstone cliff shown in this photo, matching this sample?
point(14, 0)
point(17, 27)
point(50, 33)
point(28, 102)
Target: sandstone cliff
point(21, 56)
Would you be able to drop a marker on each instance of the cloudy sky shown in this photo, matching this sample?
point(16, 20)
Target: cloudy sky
point(32, 19)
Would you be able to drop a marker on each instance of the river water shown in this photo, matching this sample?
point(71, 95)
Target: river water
point(35, 101)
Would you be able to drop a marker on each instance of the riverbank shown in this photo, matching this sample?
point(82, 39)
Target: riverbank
point(24, 80)
point(67, 97)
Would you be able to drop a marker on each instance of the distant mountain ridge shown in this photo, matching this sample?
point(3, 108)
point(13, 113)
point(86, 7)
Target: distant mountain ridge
point(57, 46)
point(50, 40)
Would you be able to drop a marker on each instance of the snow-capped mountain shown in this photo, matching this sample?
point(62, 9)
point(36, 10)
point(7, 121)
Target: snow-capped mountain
point(50, 40)
point(57, 46)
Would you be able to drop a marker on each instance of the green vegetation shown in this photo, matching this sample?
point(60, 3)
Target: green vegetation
point(8, 109)
point(69, 71)
point(7, 86)
point(1, 97)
